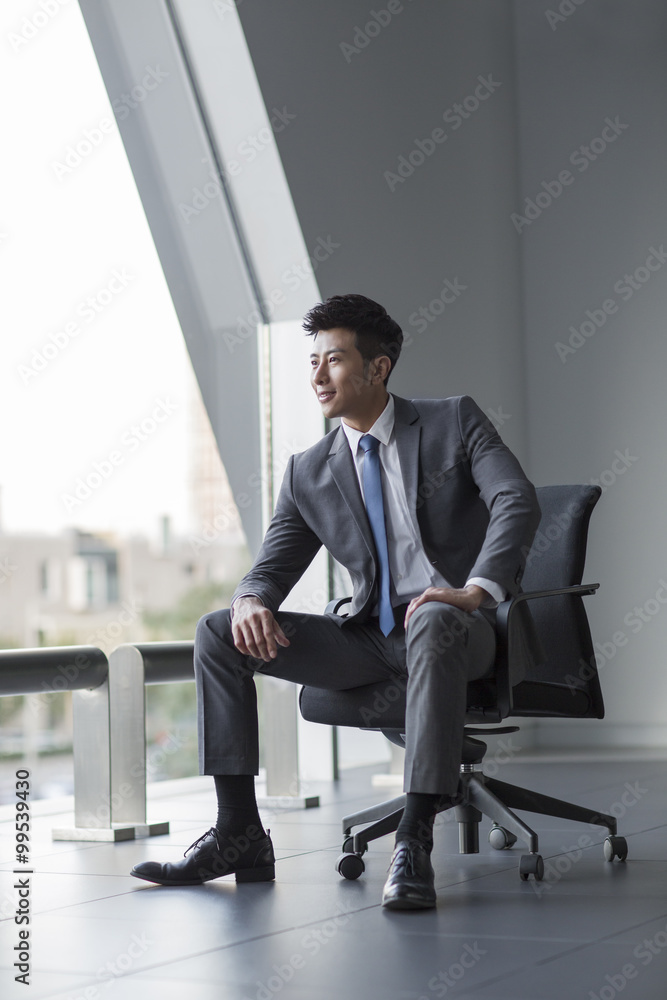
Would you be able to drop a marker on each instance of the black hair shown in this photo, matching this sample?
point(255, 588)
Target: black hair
point(375, 332)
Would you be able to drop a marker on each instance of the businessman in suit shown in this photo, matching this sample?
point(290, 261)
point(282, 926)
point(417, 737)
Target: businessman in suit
point(432, 515)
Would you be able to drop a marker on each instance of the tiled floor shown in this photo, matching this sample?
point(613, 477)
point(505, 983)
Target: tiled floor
point(591, 929)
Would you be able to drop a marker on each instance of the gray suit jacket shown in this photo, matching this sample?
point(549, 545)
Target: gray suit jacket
point(474, 508)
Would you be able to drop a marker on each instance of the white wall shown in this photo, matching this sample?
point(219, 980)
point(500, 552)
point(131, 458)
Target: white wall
point(607, 60)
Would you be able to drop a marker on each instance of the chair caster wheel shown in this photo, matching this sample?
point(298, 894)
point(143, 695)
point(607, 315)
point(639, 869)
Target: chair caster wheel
point(615, 847)
point(350, 866)
point(348, 847)
point(500, 838)
point(531, 864)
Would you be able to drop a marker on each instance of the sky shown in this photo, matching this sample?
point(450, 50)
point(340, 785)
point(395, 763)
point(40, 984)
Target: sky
point(96, 386)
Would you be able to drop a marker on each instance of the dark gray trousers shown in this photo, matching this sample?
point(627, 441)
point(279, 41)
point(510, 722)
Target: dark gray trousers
point(441, 651)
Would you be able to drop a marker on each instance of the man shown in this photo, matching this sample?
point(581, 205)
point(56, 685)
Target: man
point(433, 516)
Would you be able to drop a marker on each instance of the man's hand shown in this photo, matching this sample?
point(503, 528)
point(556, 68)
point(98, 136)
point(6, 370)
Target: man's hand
point(255, 630)
point(467, 598)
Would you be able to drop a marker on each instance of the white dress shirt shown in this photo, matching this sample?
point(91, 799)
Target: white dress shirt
point(411, 570)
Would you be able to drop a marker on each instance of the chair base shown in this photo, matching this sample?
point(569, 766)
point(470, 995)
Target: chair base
point(497, 800)
point(479, 795)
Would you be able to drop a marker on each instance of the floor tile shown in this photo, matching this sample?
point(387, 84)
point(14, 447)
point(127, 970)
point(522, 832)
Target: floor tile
point(599, 970)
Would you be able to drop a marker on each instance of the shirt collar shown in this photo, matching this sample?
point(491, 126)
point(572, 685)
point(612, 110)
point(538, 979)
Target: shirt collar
point(382, 428)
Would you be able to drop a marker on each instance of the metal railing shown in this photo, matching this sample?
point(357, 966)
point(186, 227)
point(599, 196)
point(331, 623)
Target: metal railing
point(109, 729)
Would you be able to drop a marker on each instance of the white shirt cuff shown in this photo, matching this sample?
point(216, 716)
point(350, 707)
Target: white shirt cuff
point(497, 592)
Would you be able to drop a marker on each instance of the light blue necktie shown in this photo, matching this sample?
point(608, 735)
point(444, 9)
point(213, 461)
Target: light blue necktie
point(375, 511)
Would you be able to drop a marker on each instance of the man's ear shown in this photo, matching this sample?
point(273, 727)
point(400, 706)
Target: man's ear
point(379, 368)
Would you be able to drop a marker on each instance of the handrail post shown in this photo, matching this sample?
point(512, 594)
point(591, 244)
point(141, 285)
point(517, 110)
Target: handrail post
point(280, 740)
point(127, 697)
point(72, 668)
point(92, 769)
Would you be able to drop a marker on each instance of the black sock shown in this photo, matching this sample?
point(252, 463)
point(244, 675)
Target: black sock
point(237, 805)
point(418, 818)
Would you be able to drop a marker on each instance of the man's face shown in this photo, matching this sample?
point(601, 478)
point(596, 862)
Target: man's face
point(337, 375)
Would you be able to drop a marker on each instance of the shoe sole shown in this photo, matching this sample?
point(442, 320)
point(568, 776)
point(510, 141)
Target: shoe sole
point(408, 904)
point(264, 874)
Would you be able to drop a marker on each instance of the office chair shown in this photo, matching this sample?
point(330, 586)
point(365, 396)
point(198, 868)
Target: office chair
point(564, 685)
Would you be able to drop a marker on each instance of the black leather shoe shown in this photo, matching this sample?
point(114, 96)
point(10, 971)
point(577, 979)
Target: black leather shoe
point(250, 858)
point(410, 884)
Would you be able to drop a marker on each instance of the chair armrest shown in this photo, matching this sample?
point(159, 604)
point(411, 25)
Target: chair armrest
point(333, 607)
point(504, 614)
point(579, 590)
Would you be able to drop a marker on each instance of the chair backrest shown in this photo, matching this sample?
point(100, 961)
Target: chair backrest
point(566, 683)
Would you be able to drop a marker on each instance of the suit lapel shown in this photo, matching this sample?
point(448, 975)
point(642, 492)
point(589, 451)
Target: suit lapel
point(407, 428)
point(344, 473)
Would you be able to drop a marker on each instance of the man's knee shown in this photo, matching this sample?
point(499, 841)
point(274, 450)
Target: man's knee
point(439, 625)
point(213, 637)
point(215, 650)
point(435, 614)
point(213, 623)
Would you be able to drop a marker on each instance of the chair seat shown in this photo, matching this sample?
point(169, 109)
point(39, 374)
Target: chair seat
point(372, 706)
point(382, 705)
